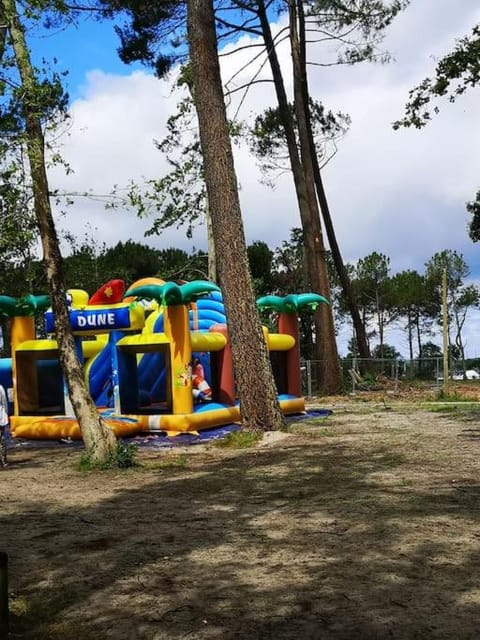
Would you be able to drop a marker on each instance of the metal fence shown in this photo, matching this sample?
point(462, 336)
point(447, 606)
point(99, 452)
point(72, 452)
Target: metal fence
point(376, 374)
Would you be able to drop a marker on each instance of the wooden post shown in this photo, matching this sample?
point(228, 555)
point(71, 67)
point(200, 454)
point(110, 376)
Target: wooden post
point(445, 332)
point(3, 595)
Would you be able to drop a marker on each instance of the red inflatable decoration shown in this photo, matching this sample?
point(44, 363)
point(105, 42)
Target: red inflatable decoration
point(109, 293)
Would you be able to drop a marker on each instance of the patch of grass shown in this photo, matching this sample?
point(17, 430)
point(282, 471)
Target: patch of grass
point(240, 440)
point(327, 433)
point(392, 459)
point(18, 606)
point(466, 413)
point(459, 410)
point(315, 431)
point(44, 615)
point(454, 396)
point(123, 457)
point(313, 422)
point(311, 426)
point(172, 463)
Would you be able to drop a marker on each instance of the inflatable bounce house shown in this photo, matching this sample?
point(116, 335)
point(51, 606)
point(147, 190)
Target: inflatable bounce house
point(156, 358)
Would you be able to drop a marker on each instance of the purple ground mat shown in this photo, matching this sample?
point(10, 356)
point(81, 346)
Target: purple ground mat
point(158, 441)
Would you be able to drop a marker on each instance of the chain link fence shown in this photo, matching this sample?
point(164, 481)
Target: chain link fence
point(361, 374)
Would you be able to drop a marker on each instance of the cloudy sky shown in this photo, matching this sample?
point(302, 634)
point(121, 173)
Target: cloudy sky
point(401, 193)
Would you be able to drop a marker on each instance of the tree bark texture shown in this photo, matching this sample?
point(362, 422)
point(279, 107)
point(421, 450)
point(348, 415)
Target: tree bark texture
point(360, 334)
point(99, 440)
point(330, 378)
point(256, 388)
point(326, 329)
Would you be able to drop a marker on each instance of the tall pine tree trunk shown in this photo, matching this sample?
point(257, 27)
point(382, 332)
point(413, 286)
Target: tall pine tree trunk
point(330, 379)
point(331, 363)
point(345, 282)
point(99, 440)
point(256, 388)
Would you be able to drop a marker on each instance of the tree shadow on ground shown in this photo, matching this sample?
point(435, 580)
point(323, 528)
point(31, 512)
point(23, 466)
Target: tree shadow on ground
point(306, 541)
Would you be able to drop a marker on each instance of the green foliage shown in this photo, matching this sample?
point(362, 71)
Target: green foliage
point(473, 208)
point(291, 277)
point(176, 264)
point(90, 265)
point(430, 350)
point(178, 198)
point(289, 262)
point(269, 144)
point(416, 301)
point(130, 261)
point(154, 33)
point(456, 72)
point(460, 296)
point(146, 27)
point(385, 352)
point(260, 259)
point(357, 26)
point(409, 289)
point(46, 95)
point(455, 265)
point(123, 457)
point(17, 219)
point(170, 463)
point(452, 398)
point(373, 289)
point(372, 273)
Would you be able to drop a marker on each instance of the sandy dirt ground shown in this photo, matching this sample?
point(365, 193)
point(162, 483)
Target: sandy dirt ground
point(364, 525)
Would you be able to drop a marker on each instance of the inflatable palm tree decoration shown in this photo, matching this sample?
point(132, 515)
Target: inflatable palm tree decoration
point(175, 300)
point(288, 308)
point(292, 303)
point(171, 294)
point(22, 311)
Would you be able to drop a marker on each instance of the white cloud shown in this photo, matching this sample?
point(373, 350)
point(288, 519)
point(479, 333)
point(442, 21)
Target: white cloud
point(401, 193)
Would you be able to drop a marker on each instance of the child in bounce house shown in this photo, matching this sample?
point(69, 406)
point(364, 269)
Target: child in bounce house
point(3, 426)
point(201, 389)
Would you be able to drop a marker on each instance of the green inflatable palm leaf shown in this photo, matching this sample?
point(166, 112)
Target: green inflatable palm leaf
point(292, 303)
point(7, 306)
point(25, 306)
point(171, 294)
point(191, 291)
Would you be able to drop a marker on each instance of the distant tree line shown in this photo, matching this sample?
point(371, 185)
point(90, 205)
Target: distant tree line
point(409, 300)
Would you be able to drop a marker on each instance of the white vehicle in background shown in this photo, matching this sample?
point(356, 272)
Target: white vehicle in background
point(470, 374)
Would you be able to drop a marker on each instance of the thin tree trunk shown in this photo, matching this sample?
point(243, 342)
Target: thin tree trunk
point(410, 334)
point(419, 336)
point(5, 329)
point(99, 440)
point(362, 343)
point(380, 323)
point(326, 348)
point(256, 388)
point(212, 257)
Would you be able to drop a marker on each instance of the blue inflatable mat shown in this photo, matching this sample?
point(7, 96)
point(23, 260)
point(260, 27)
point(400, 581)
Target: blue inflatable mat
point(154, 441)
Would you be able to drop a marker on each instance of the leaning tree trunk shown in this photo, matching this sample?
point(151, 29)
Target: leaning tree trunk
point(410, 334)
point(99, 440)
point(212, 256)
point(256, 388)
point(345, 282)
point(361, 338)
point(330, 379)
point(326, 331)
